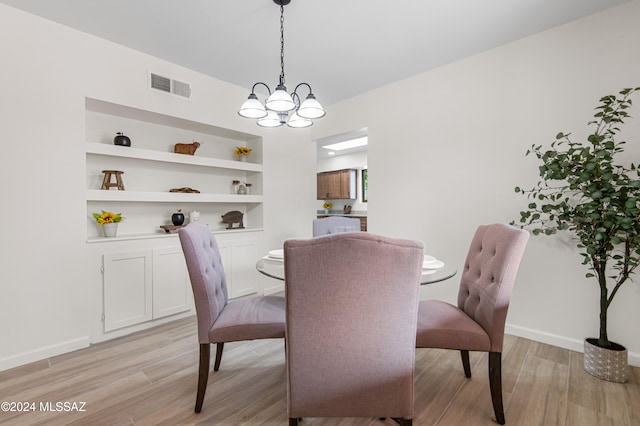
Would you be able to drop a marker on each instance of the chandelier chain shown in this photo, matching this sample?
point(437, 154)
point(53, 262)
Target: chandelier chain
point(281, 44)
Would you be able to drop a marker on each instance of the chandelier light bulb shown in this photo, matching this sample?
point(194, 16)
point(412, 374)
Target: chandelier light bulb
point(299, 122)
point(252, 108)
point(311, 108)
point(280, 100)
point(272, 119)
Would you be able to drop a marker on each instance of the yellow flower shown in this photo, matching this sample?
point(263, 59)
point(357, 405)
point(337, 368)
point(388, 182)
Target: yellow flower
point(327, 205)
point(242, 150)
point(107, 217)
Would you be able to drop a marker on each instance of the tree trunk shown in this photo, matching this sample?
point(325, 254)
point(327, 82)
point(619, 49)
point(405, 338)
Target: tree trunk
point(603, 339)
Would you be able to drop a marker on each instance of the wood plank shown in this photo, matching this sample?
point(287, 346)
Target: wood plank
point(150, 378)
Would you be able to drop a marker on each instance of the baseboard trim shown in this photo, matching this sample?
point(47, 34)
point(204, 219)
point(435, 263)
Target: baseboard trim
point(43, 353)
point(560, 341)
point(274, 289)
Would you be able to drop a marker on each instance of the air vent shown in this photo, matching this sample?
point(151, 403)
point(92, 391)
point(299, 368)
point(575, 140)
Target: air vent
point(168, 85)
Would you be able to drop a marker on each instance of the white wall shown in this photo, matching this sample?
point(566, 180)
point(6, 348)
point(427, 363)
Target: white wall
point(47, 71)
point(447, 158)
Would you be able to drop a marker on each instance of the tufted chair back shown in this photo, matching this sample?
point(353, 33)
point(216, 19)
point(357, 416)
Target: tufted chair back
point(351, 306)
point(328, 225)
point(206, 273)
point(220, 321)
point(488, 277)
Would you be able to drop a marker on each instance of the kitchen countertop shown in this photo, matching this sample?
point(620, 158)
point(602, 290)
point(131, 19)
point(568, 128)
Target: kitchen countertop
point(354, 213)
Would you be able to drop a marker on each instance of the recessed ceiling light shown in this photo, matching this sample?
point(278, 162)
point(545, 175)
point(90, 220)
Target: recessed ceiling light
point(331, 153)
point(353, 143)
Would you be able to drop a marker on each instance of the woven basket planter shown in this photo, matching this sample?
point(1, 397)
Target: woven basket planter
point(607, 364)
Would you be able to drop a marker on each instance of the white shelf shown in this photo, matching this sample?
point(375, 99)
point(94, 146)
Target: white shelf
point(168, 157)
point(132, 237)
point(169, 197)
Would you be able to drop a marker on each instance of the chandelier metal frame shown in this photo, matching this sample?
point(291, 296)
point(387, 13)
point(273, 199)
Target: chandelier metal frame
point(275, 111)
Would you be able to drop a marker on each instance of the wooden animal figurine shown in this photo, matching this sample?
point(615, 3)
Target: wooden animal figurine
point(186, 148)
point(233, 217)
point(185, 189)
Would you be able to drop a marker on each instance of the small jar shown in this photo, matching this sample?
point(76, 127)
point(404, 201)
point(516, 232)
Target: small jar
point(248, 187)
point(242, 190)
point(234, 186)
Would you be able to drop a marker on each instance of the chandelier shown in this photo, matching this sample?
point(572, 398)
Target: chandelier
point(275, 111)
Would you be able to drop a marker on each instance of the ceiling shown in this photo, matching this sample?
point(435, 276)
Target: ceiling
point(341, 48)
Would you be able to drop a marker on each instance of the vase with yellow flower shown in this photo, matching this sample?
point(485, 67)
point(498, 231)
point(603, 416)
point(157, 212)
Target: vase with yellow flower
point(326, 206)
point(108, 221)
point(242, 152)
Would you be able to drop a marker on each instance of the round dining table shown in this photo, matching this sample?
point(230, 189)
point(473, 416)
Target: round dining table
point(273, 267)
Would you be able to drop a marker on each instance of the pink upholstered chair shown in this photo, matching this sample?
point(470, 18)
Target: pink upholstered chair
point(220, 321)
point(477, 323)
point(351, 307)
point(329, 225)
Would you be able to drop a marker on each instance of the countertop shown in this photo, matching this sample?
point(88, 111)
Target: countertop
point(354, 213)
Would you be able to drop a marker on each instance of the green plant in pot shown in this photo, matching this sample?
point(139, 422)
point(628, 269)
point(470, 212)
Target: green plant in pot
point(586, 190)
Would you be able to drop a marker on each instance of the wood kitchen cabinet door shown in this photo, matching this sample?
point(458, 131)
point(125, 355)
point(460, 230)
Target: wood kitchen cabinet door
point(323, 185)
point(336, 185)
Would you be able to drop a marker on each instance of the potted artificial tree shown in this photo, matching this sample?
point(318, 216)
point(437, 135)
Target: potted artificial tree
point(586, 190)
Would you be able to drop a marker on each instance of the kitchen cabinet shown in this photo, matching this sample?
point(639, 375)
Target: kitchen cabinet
point(239, 256)
point(171, 285)
point(336, 185)
point(127, 289)
point(143, 286)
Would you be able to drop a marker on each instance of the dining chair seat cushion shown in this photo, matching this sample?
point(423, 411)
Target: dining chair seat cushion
point(445, 326)
point(250, 318)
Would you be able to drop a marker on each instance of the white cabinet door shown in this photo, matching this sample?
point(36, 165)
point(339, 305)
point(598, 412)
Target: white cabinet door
point(171, 285)
point(243, 267)
point(224, 246)
point(127, 289)
point(239, 255)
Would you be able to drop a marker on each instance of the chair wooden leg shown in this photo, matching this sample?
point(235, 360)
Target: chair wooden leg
point(401, 421)
point(203, 374)
point(495, 384)
point(465, 363)
point(219, 348)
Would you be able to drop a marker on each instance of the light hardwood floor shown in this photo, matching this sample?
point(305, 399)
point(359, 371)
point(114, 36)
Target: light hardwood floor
point(150, 379)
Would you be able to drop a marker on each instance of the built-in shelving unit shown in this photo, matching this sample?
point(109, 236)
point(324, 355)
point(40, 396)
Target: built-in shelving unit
point(139, 278)
point(151, 170)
